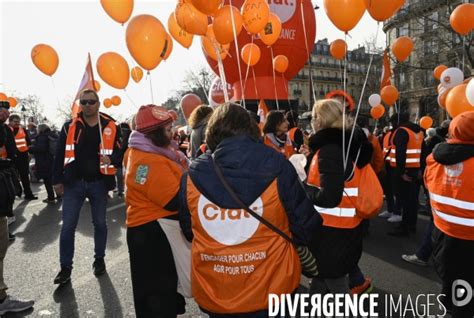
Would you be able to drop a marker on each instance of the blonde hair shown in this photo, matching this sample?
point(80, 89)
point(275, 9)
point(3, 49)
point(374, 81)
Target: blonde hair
point(329, 113)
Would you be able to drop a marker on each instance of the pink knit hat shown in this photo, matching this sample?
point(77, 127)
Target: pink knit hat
point(151, 117)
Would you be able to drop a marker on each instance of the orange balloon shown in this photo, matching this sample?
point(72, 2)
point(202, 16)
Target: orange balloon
point(136, 73)
point(381, 10)
point(113, 69)
point(96, 86)
point(182, 37)
point(45, 58)
point(12, 101)
point(223, 27)
point(272, 30)
point(173, 114)
point(189, 102)
point(120, 11)
point(190, 19)
point(208, 7)
point(3, 97)
point(442, 98)
point(377, 112)
point(146, 40)
point(462, 18)
point(255, 14)
point(439, 70)
point(389, 94)
point(250, 54)
point(338, 49)
point(457, 102)
point(280, 63)
point(426, 122)
point(169, 49)
point(116, 100)
point(107, 102)
point(402, 48)
point(344, 14)
point(209, 45)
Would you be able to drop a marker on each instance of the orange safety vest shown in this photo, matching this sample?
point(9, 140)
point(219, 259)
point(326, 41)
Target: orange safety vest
point(236, 261)
point(415, 142)
point(20, 140)
point(452, 197)
point(105, 149)
point(387, 146)
point(287, 150)
point(343, 216)
point(3, 152)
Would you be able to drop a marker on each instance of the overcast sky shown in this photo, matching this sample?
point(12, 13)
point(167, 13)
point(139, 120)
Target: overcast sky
point(74, 28)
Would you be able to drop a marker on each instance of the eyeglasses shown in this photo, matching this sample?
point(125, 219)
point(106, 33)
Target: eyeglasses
point(90, 102)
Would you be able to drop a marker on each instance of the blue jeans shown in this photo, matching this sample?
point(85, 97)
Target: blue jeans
point(356, 277)
point(426, 248)
point(74, 196)
point(120, 181)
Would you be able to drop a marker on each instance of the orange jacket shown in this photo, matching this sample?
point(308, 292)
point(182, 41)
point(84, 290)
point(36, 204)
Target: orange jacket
point(236, 260)
point(377, 155)
point(415, 143)
point(452, 197)
point(20, 140)
point(152, 181)
point(287, 150)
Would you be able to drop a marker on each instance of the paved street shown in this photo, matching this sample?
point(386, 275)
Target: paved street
point(32, 263)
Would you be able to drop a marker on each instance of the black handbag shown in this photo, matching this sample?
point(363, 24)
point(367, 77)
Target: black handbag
point(308, 262)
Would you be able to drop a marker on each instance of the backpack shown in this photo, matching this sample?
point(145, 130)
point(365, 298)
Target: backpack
point(370, 198)
point(53, 139)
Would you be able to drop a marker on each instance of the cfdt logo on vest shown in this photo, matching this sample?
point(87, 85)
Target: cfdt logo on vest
point(228, 226)
point(284, 9)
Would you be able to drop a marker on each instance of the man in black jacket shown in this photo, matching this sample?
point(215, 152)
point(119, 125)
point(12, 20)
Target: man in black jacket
point(7, 197)
point(87, 154)
point(410, 157)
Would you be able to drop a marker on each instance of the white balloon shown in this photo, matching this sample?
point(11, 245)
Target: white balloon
point(452, 77)
point(375, 100)
point(470, 92)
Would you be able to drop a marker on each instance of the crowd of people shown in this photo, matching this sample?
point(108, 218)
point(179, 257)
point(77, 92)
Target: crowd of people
point(238, 208)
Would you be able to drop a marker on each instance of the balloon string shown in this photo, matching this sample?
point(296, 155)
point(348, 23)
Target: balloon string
point(56, 92)
point(286, 90)
point(130, 99)
point(463, 52)
point(151, 88)
point(248, 68)
point(307, 52)
point(221, 72)
point(236, 44)
point(274, 79)
point(361, 96)
point(344, 161)
point(255, 83)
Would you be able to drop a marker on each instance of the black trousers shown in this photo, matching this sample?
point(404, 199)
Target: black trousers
point(407, 193)
point(154, 277)
point(48, 184)
point(22, 165)
point(393, 203)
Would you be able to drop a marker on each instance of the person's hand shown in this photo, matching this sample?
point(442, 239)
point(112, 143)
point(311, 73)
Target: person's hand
point(406, 178)
point(59, 189)
point(304, 150)
point(106, 160)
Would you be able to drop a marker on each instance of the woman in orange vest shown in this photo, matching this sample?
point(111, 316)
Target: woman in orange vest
point(449, 180)
point(154, 168)
point(238, 261)
point(333, 188)
point(276, 133)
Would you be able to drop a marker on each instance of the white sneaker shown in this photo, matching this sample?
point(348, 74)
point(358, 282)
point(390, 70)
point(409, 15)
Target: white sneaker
point(11, 220)
point(11, 304)
point(414, 260)
point(385, 214)
point(395, 218)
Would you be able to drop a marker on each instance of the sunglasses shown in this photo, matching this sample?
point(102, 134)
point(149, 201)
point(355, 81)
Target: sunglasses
point(90, 102)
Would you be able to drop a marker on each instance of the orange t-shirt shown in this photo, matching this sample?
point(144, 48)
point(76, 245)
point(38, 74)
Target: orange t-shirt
point(152, 182)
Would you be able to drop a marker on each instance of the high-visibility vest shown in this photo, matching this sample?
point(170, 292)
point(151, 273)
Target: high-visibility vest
point(236, 260)
point(387, 146)
point(3, 152)
point(287, 150)
point(451, 191)
point(343, 216)
point(106, 147)
point(20, 139)
point(414, 145)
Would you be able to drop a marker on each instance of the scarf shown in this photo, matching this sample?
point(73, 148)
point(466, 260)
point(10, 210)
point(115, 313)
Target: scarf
point(141, 142)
